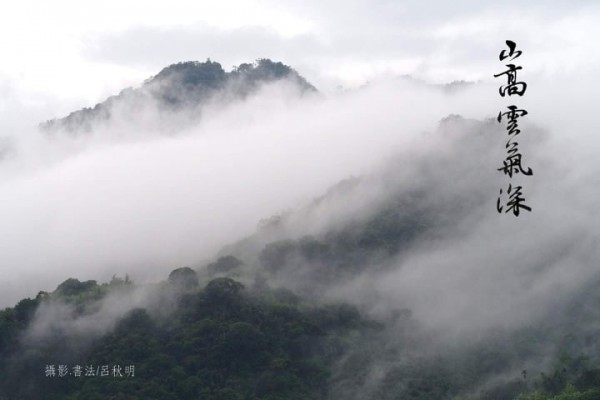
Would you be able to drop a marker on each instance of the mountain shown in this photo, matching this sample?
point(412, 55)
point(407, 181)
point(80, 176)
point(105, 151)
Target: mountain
point(377, 289)
point(184, 86)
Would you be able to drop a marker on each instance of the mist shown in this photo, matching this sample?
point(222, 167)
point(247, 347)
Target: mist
point(130, 198)
point(120, 201)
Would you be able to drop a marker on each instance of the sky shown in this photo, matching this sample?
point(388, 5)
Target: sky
point(64, 55)
point(114, 205)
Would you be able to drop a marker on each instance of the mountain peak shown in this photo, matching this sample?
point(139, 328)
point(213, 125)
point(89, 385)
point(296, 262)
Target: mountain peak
point(181, 86)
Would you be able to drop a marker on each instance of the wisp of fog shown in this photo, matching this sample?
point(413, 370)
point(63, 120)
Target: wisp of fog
point(130, 198)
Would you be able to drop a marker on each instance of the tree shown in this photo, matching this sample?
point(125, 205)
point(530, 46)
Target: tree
point(184, 278)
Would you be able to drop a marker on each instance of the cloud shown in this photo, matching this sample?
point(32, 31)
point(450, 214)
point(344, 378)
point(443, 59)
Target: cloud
point(158, 47)
point(125, 202)
point(359, 41)
point(129, 199)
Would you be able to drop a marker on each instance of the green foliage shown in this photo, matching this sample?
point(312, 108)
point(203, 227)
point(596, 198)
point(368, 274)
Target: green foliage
point(338, 255)
point(569, 393)
point(180, 86)
point(193, 73)
point(220, 343)
point(73, 287)
point(224, 265)
point(24, 310)
point(224, 342)
point(184, 278)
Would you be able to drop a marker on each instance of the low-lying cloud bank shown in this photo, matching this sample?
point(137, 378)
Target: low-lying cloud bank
point(132, 200)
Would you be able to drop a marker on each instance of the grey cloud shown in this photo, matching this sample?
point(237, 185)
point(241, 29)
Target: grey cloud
point(158, 47)
point(444, 42)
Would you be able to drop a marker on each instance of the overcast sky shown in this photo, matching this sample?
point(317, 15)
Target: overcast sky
point(62, 55)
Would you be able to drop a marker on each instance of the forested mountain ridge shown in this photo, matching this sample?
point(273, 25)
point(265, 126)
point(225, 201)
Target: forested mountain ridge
point(220, 341)
point(201, 334)
point(184, 86)
point(346, 298)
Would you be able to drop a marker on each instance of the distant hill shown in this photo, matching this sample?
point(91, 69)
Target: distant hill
point(262, 321)
point(181, 86)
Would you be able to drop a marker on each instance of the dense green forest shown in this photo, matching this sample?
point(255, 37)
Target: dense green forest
point(224, 341)
point(221, 339)
point(230, 330)
point(291, 311)
point(181, 87)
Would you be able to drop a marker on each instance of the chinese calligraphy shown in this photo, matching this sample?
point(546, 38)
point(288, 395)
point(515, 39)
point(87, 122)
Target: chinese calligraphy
point(513, 162)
